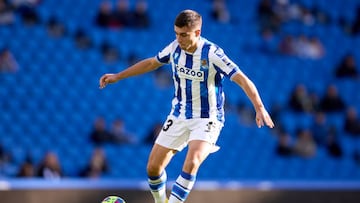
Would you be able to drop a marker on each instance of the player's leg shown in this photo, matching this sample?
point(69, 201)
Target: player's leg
point(158, 160)
point(172, 138)
point(202, 138)
point(197, 153)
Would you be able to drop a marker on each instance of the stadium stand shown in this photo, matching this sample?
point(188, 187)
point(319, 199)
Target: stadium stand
point(52, 101)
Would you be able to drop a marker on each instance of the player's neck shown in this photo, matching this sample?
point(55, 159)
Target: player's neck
point(193, 48)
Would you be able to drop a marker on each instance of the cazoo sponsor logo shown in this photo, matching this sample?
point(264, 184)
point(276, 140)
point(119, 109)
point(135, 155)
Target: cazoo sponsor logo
point(190, 74)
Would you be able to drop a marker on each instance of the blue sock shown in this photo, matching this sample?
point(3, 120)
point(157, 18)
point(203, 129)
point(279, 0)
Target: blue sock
point(182, 187)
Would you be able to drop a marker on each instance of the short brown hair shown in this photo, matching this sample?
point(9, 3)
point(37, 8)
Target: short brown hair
point(188, 18)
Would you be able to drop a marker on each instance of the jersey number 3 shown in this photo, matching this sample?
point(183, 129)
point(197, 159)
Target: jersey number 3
point(167, 125)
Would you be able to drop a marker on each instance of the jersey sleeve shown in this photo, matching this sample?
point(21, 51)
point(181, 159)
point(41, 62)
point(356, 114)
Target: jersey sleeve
point(164, 55)
point(222, 62)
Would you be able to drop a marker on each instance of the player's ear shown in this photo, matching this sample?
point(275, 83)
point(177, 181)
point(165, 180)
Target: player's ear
point(198, 32)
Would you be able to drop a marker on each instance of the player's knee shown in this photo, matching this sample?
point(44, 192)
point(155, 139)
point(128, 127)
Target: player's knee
point(153, 169)
point(192, 164)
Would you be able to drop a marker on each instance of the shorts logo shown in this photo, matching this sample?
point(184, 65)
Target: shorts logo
point(190, 73)
point(211, 125)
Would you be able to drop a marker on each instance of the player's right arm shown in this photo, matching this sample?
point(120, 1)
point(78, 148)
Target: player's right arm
point(139, 68)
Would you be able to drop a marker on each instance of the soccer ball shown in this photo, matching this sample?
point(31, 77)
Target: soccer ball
point(113, 199)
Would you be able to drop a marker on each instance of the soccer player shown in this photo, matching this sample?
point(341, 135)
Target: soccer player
point(197, 113)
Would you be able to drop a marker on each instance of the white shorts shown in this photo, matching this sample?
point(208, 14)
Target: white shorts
point(177, 133)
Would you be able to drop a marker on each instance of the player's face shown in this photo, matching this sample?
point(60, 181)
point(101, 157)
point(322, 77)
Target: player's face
point(187, 38)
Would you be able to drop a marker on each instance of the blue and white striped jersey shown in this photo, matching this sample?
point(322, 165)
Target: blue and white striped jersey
point(198, 79)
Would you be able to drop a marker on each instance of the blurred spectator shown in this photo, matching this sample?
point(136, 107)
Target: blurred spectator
point(306, 16)
point(132, 58)
point(109, 52)
point(302, 47)
point(325, 135)
point(300, 100)
point(153, 133)
point(284, 146)
point(276, 112)
point(320, 16)
point(352, 122)
point(274, 13)
point(7, 16)
point(264, 10)
point(345, 25)
point(27, 10)
point(82, 40)
point(49, 167)
point(352, 127)
point(268, 42)
point(316, 49)
point(356, 24)
point(8, 62)
point(267, 17)
point(288, 10)
point(220, 12)
point(286, 45)
point(310, 48)
point(331, 100)
point(4, 156)
point(104, 14)
point(100, 134)
point(332, 143)
point(163, 77)
point(120, 135)
point(305, 145)
point(141, 16)
point(123, 15)
point(27, 169)
point(245, 114)
point(347, 68)
point(55, 28)
point(315, 101)
point(97, 165)
point(281, 9)
point(320, 128)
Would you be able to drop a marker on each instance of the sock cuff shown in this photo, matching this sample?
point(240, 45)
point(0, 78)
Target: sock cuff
point(188, 176)
point(157, 177)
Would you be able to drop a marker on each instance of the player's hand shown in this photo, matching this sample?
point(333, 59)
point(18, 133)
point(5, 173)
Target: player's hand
point(263, 118)
point(107, 79)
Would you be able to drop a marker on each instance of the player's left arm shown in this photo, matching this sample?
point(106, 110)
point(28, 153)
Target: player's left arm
point(226, 66)
point(262, 116)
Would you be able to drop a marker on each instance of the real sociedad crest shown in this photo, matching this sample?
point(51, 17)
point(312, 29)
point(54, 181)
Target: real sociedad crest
point(204, 63)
